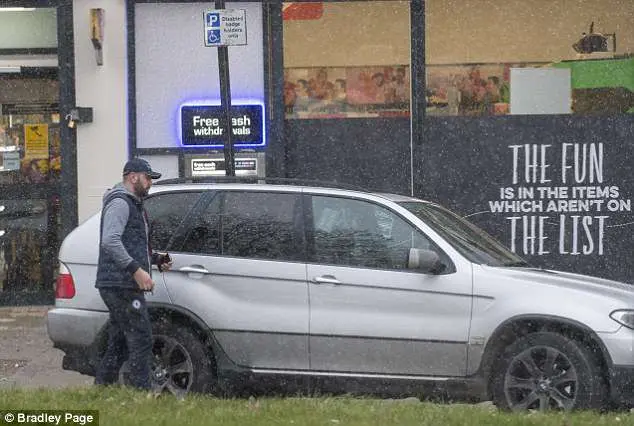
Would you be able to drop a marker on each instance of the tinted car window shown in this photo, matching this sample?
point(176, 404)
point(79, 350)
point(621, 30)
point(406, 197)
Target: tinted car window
point(166, 212)
point(362, 234)
point(471, 241)
point(262, 225)
point(204, 235)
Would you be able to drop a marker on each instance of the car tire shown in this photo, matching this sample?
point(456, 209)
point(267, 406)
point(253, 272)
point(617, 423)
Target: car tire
point(544, 371)
point(202, 378)
point(181, 363)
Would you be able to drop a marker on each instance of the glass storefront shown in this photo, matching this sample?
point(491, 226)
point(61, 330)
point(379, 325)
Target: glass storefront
point(346, 60)
point(498, 57)
point(30, 166)
point(30, 143)
point(30, 158)
point(483, 58)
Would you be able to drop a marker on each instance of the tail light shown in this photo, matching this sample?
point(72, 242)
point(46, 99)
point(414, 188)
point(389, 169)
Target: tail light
point(65, 286)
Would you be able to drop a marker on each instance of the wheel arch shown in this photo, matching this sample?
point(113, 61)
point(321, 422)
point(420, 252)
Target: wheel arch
point(184, 317)
point(516, 327)
point(181, 316)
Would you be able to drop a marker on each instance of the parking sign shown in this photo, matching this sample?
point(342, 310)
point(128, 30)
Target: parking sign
point(212, 19)
point(225, 27)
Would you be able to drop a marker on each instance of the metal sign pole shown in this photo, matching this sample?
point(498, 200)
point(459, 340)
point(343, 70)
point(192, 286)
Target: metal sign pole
point(225, 101)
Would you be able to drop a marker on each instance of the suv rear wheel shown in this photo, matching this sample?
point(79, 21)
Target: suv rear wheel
point(543, 371)
point(181, 364)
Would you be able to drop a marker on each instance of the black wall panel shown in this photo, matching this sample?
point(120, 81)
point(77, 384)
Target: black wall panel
point(373, 153)
point(557, 189)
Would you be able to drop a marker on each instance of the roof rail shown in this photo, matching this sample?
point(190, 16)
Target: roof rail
point(259, 180)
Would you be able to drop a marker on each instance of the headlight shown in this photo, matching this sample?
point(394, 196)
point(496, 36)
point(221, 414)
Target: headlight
point(624, 317)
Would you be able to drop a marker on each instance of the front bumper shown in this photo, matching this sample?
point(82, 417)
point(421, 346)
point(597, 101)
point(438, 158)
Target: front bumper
point(622, 385)
point(620, 347)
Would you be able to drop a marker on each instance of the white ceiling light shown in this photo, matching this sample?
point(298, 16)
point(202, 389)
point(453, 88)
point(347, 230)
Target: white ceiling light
point(17, 9)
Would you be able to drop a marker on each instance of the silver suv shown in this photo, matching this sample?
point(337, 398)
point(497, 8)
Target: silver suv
point(287, 280)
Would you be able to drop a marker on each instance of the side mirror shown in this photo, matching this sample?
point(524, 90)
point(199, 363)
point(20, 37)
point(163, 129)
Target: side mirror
point(427, 261)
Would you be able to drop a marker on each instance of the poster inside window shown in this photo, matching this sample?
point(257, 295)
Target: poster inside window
point(338, 92)
point(597, 87)
point(470, 89)
point(30, 148)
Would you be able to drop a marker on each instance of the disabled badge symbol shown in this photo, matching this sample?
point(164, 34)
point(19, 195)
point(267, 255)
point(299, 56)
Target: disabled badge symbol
point(213, 36)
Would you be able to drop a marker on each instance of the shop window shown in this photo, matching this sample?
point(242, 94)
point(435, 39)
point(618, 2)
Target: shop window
point(498, 57)
point(29, 157)
point(29, 131)
point(346, 59)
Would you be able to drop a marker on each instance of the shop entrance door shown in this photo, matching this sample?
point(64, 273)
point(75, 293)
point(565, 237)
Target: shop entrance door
point(30, 170)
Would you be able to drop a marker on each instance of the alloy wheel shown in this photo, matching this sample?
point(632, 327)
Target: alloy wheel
point(172, 369)
point(541, 378)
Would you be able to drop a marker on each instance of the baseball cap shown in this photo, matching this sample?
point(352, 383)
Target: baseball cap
point(139, 165)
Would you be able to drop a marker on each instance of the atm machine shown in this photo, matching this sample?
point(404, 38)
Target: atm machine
point(204, 127)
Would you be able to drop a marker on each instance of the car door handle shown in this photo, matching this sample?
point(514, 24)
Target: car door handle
point(194, 269)
point(326, 279)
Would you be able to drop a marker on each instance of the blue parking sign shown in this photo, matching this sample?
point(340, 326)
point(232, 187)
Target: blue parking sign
point(224, 27)
point(212, 19)
point(213, 36)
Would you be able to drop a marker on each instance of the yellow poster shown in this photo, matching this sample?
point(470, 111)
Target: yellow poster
point(36, 140)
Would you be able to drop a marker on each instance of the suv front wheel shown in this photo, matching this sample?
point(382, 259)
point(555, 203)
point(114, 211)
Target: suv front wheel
point(543, 371)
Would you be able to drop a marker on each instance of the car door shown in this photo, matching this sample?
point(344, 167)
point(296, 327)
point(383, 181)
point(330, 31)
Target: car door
point(368, 313)
point(166, 212)
point(241, 268)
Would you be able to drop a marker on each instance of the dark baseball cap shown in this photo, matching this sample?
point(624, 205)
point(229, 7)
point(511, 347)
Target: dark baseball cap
point(139, 165)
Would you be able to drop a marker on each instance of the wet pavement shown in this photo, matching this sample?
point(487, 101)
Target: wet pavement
point(27, 356)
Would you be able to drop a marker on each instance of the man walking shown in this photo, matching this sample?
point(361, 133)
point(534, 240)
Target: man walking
point(124, 274)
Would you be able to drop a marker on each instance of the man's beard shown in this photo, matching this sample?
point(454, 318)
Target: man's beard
point(139, 190)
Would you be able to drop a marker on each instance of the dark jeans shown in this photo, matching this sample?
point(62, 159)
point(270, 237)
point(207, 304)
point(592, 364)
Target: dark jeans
point(129, 337)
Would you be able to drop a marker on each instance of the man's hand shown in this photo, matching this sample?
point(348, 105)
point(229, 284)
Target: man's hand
point(164, 262)
point(144, 280)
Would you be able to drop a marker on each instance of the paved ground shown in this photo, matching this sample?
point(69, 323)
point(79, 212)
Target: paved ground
point(27, 356)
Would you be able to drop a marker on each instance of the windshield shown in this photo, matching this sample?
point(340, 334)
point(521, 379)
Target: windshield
point(471, 241)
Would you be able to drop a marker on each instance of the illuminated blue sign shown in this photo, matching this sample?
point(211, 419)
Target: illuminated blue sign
point(205, 126)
